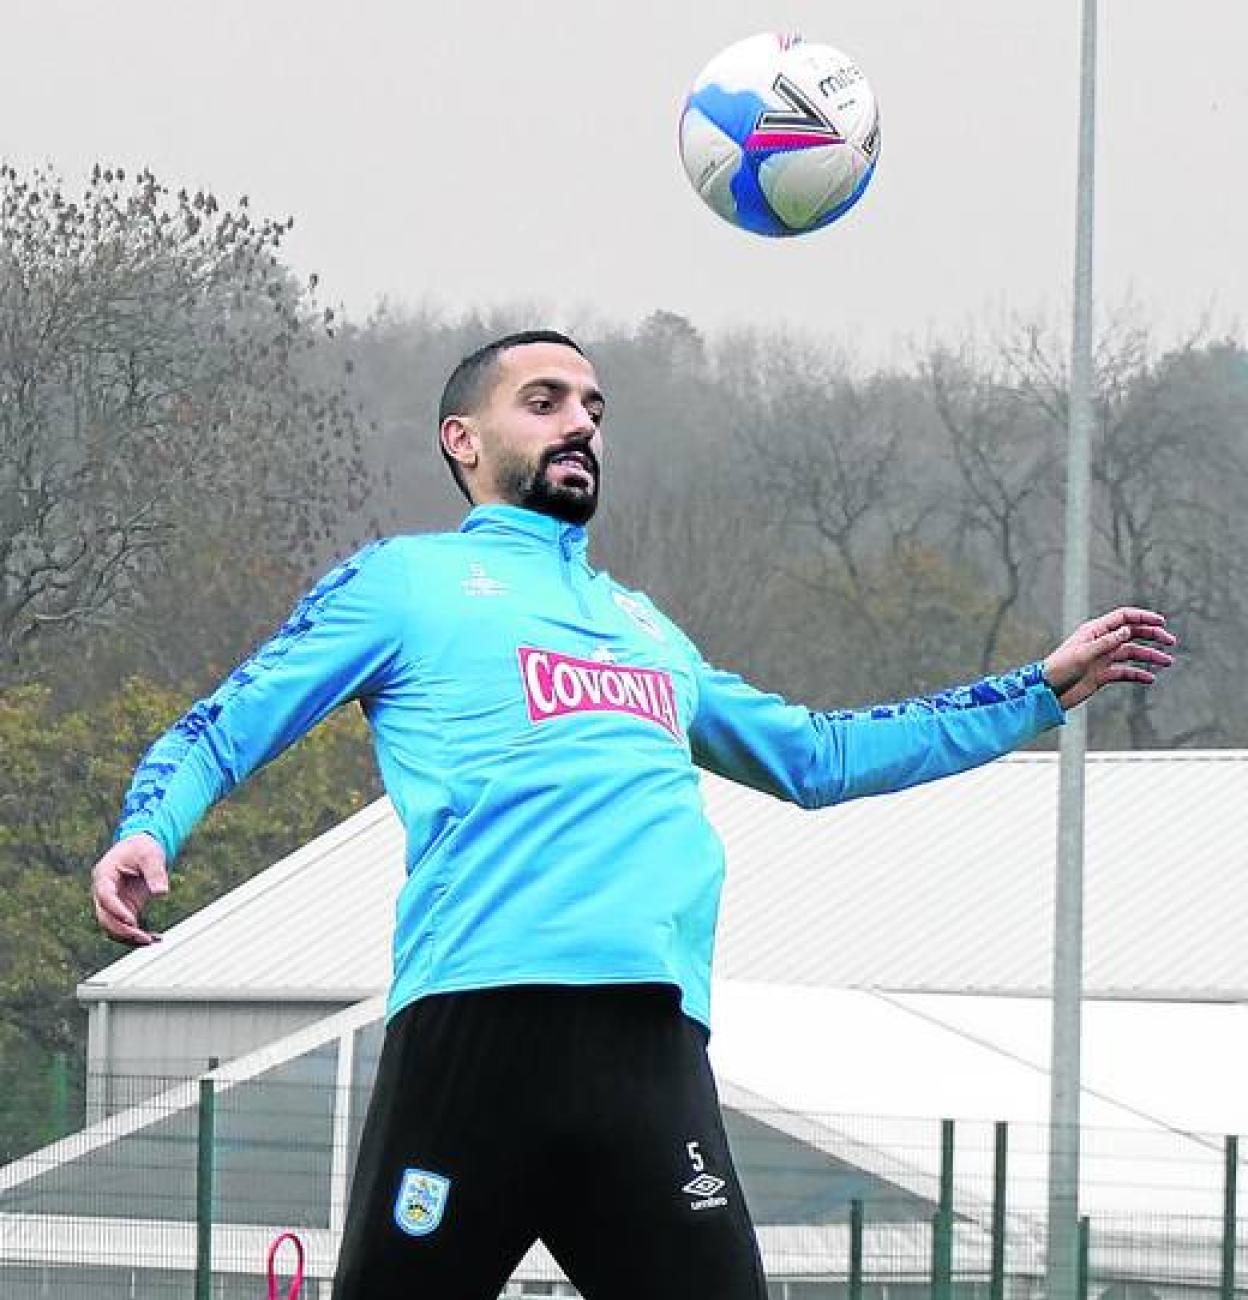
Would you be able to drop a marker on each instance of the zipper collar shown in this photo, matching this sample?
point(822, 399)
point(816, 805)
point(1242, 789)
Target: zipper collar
point(517, 522)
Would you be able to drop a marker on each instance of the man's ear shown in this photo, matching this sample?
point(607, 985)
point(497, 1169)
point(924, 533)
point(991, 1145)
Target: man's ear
point(460, 441)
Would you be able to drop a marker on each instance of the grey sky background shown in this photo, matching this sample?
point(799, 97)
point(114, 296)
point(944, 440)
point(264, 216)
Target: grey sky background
point(490, 151)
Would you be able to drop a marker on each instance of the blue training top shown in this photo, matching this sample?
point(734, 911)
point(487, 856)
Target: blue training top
point(537, 727)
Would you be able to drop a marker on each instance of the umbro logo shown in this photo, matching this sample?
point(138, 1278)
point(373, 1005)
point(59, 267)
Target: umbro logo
point(703, 1187)
point(479, 583)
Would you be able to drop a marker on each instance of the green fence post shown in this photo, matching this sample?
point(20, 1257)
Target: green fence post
point(1228, 1219)
point(996, 1288)
point(1081, 1266)
point(855, 1250)
point(934, 1291)
point(204, 1174)
point(942, 1226)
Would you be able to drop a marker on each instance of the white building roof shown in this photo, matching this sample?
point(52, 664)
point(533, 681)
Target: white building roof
point(1160, 1083)
point(948, 887)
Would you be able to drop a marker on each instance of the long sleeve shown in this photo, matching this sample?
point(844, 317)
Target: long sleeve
point(341, 642)
point(815, 759)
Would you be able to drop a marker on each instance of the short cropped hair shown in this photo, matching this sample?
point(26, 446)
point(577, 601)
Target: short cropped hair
point(470, 381)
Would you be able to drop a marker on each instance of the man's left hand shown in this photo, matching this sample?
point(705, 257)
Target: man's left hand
point(1121, 646)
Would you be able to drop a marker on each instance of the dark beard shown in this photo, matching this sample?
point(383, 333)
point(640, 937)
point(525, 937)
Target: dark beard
point(533, 490)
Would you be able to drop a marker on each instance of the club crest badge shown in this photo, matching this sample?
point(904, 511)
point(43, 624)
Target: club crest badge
point(421, 1201)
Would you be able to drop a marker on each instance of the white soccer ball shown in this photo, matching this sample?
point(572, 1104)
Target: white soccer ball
point(780, 136)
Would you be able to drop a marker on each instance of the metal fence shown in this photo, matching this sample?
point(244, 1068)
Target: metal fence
point(176, 1187)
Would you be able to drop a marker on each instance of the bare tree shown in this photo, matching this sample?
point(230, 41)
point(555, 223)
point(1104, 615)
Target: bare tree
point(679, 535)
point(866, 603)
point(1005, 460)
point(1170, 469)
point(823, 446)
point(156, 370)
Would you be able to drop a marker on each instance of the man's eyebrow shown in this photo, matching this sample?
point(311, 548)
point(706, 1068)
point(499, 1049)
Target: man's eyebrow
point(561, 386)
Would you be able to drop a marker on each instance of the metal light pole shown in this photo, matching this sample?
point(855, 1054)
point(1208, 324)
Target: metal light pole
point(1063, 1234)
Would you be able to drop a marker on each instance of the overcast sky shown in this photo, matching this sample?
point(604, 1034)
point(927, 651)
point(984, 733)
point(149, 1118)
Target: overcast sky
point(471, 152)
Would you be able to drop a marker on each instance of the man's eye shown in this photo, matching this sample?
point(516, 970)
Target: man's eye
point(541, 405)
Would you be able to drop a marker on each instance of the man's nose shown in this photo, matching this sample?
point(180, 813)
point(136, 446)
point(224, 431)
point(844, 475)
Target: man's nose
point(583, 423)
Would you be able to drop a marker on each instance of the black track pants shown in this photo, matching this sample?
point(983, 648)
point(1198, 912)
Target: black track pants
point(586, 1117)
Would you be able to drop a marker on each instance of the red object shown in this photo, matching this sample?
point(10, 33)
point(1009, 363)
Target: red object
point(297, 1281)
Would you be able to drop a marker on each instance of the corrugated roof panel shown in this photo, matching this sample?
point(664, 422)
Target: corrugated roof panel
point(880, 889)
point(945, 887)
point(950, 886)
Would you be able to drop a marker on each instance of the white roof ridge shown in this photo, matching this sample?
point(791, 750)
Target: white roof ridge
point(1042, 992)
point(1167, 755)
point(1132, 756)
point(331, 995)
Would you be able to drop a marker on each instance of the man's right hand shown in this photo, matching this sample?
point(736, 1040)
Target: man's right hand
point(122, 882)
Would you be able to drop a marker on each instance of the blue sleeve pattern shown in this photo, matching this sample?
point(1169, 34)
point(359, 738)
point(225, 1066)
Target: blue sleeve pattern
point(815, 759)
point(989, 690)
point(265, 704)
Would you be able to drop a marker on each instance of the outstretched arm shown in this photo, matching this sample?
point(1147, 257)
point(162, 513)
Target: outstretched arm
point(819, 758)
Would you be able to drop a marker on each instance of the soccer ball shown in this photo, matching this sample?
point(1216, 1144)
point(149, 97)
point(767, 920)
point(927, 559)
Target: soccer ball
point(780, 136)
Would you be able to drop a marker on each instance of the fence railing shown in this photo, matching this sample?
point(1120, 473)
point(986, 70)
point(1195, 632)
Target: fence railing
point(177, 1186)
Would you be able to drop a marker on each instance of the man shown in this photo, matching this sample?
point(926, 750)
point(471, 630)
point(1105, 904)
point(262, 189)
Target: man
point(537, 726)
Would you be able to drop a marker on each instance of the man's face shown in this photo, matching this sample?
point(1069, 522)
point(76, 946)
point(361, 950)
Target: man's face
point(539, 436)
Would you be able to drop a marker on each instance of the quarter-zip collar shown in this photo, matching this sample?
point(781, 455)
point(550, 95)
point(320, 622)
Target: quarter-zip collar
point(570, 540)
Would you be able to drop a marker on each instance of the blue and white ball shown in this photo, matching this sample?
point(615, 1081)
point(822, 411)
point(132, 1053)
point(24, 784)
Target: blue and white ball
point(779, 136)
